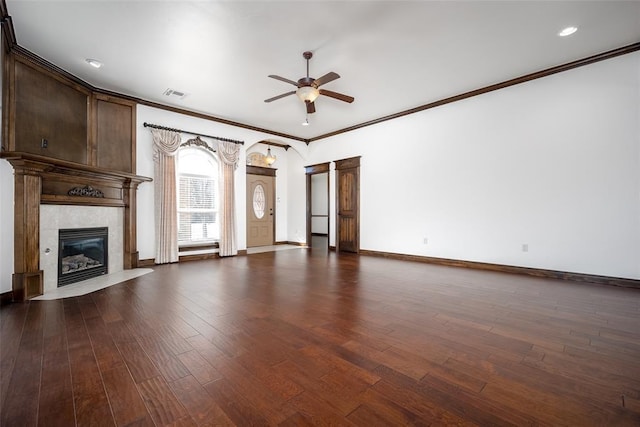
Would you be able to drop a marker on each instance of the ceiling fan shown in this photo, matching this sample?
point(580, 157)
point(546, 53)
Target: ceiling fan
point(308, 87)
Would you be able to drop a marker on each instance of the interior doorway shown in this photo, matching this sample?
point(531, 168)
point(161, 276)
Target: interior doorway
point(318, 206)
point(260, 206)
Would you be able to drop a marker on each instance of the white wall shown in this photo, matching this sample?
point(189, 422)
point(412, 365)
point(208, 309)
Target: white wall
point(6, 228)
point(297, 197)
point(553, 164)
point(146, 238)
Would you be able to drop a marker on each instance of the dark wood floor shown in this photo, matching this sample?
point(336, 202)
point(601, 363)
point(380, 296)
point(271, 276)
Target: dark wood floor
point(306, 337)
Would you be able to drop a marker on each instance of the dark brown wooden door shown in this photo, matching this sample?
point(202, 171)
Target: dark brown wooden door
point(348, 205)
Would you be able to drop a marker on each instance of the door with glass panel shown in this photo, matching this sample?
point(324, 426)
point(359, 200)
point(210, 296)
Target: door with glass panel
point(260, 206)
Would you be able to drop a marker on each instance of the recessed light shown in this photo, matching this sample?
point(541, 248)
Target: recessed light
point(306, 122)
point(94, 63)
point(567, 31)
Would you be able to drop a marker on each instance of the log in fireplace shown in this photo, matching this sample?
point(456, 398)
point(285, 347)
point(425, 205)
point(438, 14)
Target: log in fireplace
point(83, 253)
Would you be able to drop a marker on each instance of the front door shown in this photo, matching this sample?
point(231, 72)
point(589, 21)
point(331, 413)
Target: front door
point(348, 205)
point(260, 192)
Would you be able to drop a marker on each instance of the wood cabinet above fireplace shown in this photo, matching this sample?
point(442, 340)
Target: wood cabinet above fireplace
point(69, 143)
point(53, 116)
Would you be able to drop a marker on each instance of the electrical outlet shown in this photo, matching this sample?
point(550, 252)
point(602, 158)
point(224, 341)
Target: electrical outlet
point(44, 143)
point(525, 247)
point(425, 241)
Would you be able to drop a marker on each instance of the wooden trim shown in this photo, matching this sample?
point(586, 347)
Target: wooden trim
point(4, 63)
point(527, 271)
point(6, 298)
point(518, 80)
point(27, 285)
point(203, 116)
point(8, 31)
point(92, 130)
point(198, 257)
point(288, 242)
point(147, 262)
point(259, 170)
point(215, 255)
point(351, 162)
point(309, 201)
point(318, 168)
point(52, 164)
point(187, 248)
point(274, 144)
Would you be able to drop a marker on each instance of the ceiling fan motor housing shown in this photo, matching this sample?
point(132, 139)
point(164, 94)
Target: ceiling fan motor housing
point(306, 81)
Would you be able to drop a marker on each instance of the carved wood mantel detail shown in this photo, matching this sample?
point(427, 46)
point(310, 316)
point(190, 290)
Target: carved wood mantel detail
point(86, 191)
point(44, 180)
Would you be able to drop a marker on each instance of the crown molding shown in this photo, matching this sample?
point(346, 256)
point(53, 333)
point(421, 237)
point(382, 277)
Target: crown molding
point(11, 44)
point(512, 82)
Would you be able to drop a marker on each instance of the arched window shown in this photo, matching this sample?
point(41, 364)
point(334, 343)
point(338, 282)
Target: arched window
point(197, 197)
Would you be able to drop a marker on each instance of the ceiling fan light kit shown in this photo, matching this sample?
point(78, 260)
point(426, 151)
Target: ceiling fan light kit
point(308, 90)
point(308, 93)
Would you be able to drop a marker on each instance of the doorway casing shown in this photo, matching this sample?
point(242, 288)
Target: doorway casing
point(311, 170)
point(261, 227)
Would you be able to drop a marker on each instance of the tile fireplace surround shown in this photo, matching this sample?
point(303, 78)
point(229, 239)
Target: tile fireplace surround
point(51, 194)
point(56, 217)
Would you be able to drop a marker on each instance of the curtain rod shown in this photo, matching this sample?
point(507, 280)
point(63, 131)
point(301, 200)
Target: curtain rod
point(149, 125)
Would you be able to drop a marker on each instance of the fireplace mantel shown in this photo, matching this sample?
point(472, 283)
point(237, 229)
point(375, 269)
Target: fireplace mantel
point(44, 180)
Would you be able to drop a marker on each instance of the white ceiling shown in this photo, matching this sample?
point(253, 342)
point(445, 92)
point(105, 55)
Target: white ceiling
point(391, 55)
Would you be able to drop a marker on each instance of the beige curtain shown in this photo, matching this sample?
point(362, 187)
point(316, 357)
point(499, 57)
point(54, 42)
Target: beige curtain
point(165, 148)
point(228, 154)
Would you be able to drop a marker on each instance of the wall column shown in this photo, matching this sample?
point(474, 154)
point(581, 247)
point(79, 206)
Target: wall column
point(27, 277)
point(131, 257)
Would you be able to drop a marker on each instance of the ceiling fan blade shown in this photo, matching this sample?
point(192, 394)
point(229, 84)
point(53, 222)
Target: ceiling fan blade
point(336, 95)
point(329, 77)
point(280, 96)
point(282, 79)
point(311, 107)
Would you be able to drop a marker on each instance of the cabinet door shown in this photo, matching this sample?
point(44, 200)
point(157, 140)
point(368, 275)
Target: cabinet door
point(47, 109)
point(115, 135)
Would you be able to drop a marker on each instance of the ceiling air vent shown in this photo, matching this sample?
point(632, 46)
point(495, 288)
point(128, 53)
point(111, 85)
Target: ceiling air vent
point(174, 93)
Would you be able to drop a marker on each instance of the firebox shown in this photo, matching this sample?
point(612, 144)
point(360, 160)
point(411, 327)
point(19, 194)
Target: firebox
point(82, 254)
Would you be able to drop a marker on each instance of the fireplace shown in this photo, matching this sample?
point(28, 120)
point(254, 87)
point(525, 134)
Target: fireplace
point(82, 254)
